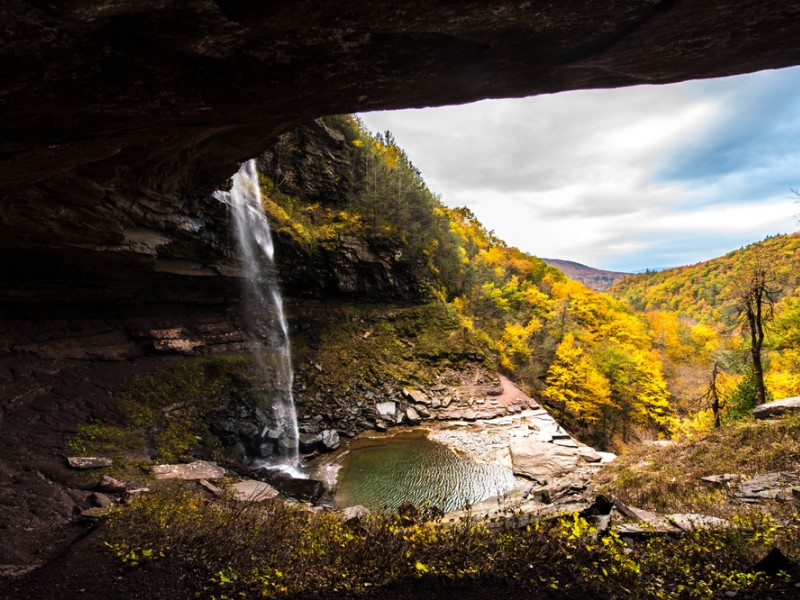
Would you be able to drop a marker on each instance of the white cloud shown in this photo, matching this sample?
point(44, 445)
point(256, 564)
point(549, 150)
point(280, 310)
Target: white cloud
point(625, 178)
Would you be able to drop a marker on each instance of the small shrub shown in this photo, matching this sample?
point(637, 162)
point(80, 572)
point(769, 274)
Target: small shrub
point(281, 550)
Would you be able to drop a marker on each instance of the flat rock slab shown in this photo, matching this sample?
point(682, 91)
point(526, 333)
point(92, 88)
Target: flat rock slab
point(589, 454)
point(251, 490)
point(88, 462)
point(724, 479)
point(567, 443)
point(386, 410)
point(540, 460)
point(770, 486)
point(777, 408)
point(198, 469)
point(641, 528)
point(416, 396)
point(691, 521)
point(217, 491)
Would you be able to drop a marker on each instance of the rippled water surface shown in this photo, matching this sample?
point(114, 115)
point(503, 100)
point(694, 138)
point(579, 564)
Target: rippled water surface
point(380, 473)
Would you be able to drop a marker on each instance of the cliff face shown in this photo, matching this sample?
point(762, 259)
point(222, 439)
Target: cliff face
point(119, 118)
point(315, 165)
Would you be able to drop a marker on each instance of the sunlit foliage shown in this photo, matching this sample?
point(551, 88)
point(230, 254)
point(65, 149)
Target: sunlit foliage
point(698, 317)
point(590, 357)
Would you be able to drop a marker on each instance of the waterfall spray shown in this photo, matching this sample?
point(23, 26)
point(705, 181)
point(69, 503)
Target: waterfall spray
point(265, 319)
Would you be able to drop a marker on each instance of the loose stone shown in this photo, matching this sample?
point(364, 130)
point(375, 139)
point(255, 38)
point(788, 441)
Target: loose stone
point(88, 462)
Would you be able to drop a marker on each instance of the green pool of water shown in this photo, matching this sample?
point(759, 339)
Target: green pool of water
point(380, 473)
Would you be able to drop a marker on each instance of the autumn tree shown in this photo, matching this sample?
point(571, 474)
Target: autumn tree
point(783, 378)
point(574, 383)
point(754, 289)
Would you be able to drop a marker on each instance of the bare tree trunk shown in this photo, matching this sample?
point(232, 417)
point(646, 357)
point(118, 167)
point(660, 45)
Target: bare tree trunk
point(712, 391)
point(756, 325)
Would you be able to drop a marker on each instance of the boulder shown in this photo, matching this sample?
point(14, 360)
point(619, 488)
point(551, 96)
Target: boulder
point(305, 490)
point(412, 416)
point(416, 396)
point(386, 410)
point(251, 490)
point(198, 469)
point(330, 439)
point(354, 514)
point(309, 441)
point(777, 408)
point(776, 562)
point(110, 485)
point(88, 462)
point(100, 500)
point(541, 461)
point(607, 457)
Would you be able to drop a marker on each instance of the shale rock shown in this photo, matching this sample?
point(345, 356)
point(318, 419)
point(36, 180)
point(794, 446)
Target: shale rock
point(769, 486)
point(691, 521)
point(412, 416)
point(309, 441)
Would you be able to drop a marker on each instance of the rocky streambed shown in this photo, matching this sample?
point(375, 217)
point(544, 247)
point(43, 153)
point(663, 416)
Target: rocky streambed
point(457, 463)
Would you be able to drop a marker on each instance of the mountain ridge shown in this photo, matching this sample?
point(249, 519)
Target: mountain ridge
point(599, 280)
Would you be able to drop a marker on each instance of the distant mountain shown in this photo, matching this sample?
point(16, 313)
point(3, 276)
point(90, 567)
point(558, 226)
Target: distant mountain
point(595, 279)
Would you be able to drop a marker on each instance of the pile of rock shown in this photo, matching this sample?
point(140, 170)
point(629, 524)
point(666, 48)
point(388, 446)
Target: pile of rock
point(783, 486)
point(476, 398)
point(108, 491)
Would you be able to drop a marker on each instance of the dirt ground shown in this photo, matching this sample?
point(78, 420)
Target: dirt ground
point(40, 495)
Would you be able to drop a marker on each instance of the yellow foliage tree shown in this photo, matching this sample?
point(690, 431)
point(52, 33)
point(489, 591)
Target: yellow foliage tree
point(574, 383)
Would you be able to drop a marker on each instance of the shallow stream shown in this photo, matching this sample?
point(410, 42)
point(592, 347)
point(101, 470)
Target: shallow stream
point(381, 472)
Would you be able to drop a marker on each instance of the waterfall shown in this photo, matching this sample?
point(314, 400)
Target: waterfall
point(265, 319)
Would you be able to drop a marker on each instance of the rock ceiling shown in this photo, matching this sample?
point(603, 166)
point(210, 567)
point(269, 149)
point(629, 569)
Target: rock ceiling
point(118, 117)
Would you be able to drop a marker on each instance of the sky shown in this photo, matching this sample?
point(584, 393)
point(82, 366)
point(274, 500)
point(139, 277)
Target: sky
point(625, 179)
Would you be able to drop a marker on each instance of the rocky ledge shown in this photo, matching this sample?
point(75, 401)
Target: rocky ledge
point(119, 118)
